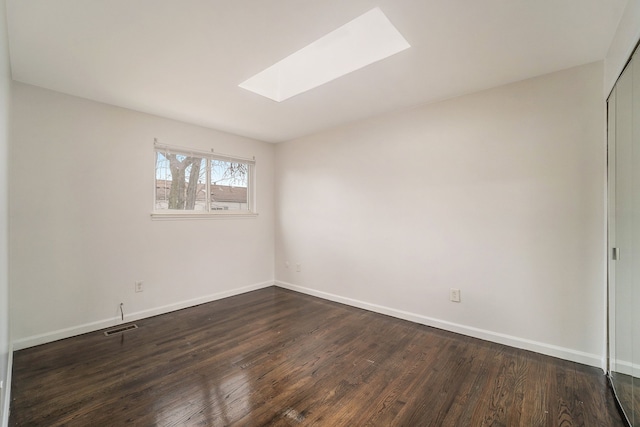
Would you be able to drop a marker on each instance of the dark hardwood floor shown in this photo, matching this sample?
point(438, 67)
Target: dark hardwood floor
point(275, 357)
point(628, 391)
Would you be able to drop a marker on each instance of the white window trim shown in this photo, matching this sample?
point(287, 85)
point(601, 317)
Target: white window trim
point(251, 212)
point(198, 215)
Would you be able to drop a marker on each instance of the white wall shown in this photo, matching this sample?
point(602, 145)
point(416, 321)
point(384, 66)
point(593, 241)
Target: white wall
point(625, 39)
point(5, 108)
point(82, 182)
point(499, 194)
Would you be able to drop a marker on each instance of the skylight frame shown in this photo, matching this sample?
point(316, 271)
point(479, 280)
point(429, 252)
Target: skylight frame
point(363, 41)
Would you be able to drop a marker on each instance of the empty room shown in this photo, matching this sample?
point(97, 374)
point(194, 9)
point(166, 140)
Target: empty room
point(328, 213)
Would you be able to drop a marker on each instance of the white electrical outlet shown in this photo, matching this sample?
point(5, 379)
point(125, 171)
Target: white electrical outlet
point(454, 295)
point(286, 264)
point(298, 268)
point(139, 286)
point(1, 384)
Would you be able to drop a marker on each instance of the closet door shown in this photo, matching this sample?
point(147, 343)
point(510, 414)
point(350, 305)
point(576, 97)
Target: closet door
point(624, 240)
point(635, 302)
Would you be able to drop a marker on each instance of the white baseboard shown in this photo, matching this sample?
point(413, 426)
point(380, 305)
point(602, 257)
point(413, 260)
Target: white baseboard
point(6, 390)
point(522, 343)
point(538, 347)
point(625, 367)
point(132, 317)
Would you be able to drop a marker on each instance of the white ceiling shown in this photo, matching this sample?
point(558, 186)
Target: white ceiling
point(184, 59)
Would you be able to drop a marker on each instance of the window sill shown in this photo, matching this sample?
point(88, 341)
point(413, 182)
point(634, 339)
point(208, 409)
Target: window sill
point(201, 215)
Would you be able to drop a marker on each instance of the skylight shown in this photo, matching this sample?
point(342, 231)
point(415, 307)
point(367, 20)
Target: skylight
point(367, 39)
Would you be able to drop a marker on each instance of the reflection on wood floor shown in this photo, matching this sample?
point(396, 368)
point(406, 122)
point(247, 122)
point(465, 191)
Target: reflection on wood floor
point(628, 392)
point(276, 357)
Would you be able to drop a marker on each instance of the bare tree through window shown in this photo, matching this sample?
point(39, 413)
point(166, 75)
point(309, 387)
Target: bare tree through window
point(188, 182)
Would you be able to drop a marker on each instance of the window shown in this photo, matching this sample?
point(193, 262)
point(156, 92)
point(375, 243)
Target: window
point(195, 183)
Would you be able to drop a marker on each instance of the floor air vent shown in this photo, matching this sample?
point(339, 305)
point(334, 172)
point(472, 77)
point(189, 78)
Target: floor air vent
point(120, 330)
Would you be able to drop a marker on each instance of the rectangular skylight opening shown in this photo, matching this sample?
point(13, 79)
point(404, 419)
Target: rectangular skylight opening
point(367, 39)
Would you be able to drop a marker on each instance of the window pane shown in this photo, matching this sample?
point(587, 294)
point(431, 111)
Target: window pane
point(180, 182)
point(229, 185)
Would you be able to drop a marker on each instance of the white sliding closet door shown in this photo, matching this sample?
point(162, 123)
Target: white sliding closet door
point(624, 239)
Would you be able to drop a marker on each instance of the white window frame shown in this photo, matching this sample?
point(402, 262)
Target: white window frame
point(250, 212)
